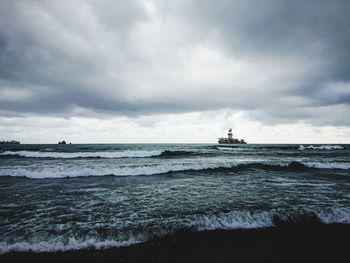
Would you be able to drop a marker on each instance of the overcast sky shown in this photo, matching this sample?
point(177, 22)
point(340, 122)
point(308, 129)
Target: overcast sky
point(175, 71)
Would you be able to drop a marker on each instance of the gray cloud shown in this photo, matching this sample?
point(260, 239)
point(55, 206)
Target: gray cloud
point(312, 29)
point(279, 61)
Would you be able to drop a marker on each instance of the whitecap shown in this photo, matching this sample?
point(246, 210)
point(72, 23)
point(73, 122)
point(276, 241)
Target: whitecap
point(321, 147)
point(234, 220)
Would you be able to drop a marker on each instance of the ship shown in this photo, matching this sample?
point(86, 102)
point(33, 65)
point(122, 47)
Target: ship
point(230, 139)
point(10, 142)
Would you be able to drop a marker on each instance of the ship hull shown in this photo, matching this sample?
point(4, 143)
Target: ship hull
point(232, 143)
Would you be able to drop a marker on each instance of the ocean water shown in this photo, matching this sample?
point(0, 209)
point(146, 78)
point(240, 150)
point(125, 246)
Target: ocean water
point(63, 197)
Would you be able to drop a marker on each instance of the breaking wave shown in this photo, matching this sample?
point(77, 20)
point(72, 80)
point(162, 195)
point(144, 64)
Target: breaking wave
point(50, 153)
point(223, 221)
point(71, 244)
point(230, 149)
point(85, 171)
point(321, 147)
point(174, 154)
point(234, 220)
point(254, 147)
point(273, 218)
point(63, 172)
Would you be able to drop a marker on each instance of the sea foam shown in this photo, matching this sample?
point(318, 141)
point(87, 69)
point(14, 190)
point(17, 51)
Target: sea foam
point(100, 170)
point(227, 221)
point(321, 147)
point(63, 172)
point(234, 220)
point(72, 244)
point(328, 165)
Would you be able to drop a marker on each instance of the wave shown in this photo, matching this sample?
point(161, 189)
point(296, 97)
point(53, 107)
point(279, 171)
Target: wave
point(73, 155)
point(49, 154)
point(254, 147)
point(328, 165)
point(321, 147)
point(295, 165)
point(230, 149)
point(174, 154)
point(72, 244)
point(222, 221)
point(234, 220)
point(96, 170)
point(273, 218)
point(62, 172)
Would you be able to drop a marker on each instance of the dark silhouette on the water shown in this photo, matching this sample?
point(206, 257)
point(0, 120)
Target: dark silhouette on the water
point(230, 139)
point(10, 142)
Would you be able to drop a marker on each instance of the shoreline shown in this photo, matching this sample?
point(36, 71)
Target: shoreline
point(314, 242)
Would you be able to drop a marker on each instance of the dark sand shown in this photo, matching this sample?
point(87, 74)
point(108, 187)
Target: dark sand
point(297, 243)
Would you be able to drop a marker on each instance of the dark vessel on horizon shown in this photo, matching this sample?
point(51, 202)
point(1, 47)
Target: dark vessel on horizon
point(230, 139)
point(10, 142)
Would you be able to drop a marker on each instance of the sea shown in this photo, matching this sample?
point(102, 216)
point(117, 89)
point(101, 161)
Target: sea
point(78, 196)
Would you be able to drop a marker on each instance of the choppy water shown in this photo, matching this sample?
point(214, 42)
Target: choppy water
point(61, 197)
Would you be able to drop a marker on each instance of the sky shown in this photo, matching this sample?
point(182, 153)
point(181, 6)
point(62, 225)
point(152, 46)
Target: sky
point(177, 71)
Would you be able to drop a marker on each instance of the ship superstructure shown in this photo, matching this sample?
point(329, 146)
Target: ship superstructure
point(230, 139)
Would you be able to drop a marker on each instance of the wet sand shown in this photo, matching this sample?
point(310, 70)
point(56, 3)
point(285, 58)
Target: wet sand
point(296, 243)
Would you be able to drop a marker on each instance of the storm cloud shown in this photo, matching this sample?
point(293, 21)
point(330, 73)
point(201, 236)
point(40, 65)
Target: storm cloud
point(276, 61)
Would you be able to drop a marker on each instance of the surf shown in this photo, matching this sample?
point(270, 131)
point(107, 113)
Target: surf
point(198, 223)
point(166, 168)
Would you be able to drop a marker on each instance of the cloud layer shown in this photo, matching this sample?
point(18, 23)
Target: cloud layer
point(275, 61)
